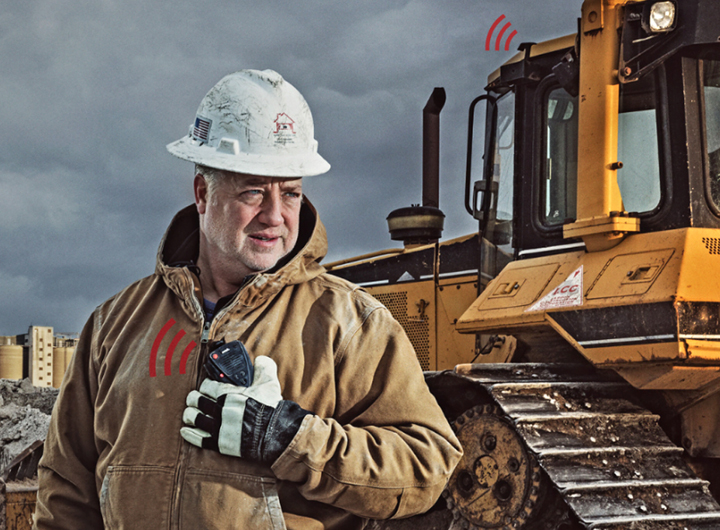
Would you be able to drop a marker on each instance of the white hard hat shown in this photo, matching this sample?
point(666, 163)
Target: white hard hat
point(253, 122)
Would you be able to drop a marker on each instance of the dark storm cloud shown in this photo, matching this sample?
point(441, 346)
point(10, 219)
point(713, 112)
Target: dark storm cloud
point(92, 91)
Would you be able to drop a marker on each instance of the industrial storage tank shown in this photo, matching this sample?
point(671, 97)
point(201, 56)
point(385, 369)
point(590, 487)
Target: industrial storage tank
point(58, 370)
point(11, 360)
point(61, 359)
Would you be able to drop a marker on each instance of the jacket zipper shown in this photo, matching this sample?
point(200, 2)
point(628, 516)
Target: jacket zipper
point(180, 469)
point(179, 478)
point(205, 333)
point(204, 351)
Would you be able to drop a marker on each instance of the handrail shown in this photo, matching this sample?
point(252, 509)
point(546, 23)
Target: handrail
point(336, 264)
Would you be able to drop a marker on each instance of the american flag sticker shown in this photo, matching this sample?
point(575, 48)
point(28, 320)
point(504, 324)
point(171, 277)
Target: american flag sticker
point(201, 129)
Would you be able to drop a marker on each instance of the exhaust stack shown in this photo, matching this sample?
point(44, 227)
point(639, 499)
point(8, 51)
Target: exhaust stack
point(419, 225)
point(431, 148)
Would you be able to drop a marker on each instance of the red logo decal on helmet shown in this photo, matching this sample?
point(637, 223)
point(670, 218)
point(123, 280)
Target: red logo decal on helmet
point(284, 123)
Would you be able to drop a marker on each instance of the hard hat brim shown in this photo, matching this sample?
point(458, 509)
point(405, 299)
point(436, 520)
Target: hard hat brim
point(305, 165)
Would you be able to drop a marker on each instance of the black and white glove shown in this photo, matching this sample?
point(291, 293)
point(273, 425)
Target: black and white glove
point(252, 422)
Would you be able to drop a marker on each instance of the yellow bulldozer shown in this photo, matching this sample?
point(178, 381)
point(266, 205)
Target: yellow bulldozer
point(574, 340)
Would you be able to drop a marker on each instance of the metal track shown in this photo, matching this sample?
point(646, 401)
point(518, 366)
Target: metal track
point(606, 454)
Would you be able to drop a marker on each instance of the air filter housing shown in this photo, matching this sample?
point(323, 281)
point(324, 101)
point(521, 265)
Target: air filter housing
point(416, 225)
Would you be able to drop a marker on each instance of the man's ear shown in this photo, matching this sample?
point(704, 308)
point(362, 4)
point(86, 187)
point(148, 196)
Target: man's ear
point(201, 193)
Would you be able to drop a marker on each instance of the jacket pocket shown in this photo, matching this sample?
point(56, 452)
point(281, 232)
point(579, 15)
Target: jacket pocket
point(229, 501)
point(136, 497)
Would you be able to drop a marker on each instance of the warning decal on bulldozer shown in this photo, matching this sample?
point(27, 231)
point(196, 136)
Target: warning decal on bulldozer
point(568, 293)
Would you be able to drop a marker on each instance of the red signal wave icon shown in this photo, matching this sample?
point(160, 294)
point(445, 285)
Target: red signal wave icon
point(170, 351)
point(500, 35)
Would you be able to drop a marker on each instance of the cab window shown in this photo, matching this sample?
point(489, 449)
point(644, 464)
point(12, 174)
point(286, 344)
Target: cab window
point(711, 111)
point(503, 170)
point(559, 187)
point(639, 178)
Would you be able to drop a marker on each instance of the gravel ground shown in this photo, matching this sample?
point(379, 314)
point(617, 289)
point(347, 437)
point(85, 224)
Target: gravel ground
point(24, 416)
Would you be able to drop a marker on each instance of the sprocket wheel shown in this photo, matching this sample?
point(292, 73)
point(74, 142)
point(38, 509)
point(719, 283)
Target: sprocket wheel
point(497, 484)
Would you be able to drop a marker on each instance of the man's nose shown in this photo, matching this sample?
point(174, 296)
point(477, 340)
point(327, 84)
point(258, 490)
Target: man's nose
point(271, 213)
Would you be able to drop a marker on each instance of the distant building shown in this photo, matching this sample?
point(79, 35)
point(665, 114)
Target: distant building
point(38, 355)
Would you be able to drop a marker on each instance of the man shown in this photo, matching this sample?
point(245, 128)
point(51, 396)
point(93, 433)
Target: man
point(337, 424)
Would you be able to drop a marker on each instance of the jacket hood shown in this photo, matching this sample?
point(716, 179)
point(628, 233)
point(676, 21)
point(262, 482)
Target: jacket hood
point(180, 247)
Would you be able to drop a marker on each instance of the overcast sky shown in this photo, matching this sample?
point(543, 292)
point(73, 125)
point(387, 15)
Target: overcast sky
point(91, 91)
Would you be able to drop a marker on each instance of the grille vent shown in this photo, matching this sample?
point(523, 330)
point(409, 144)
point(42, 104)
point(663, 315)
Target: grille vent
point(417, 332)
point(712, 244)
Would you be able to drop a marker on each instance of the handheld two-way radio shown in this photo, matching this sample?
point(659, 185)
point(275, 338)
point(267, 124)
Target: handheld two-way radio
point(230, 363)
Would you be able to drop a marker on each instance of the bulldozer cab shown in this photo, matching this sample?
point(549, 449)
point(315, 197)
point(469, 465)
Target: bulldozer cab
point(660, 136)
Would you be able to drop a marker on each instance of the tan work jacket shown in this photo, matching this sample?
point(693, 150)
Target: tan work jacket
point(378, 445)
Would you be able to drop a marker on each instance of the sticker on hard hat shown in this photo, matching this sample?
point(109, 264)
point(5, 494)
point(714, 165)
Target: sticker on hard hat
point(201, 129)
point(569, 293)
point(283, 122)
point(284, 129)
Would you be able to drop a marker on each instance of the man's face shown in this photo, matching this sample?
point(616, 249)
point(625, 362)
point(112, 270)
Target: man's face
point(249, 222)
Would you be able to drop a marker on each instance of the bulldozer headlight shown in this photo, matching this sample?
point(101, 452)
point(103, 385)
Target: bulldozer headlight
point(660, 18)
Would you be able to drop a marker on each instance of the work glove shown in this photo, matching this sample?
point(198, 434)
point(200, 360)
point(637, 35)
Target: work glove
point(252, 422)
